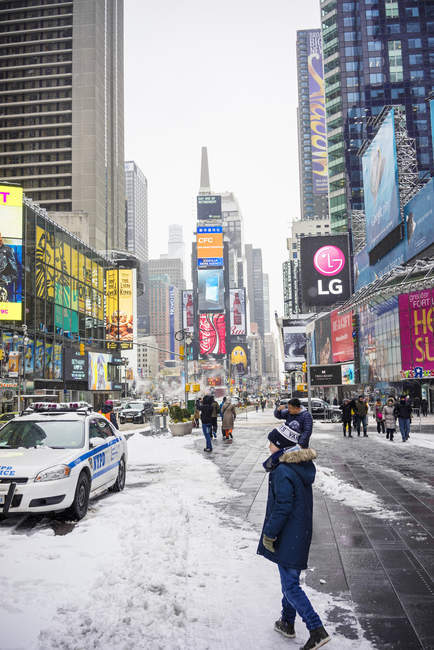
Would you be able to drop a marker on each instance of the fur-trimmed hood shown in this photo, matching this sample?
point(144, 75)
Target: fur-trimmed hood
point(299, 456)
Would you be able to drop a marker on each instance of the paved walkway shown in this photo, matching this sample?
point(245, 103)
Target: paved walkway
point(386, 567)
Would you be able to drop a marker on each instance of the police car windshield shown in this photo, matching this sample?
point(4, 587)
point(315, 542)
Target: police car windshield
point(67, 434)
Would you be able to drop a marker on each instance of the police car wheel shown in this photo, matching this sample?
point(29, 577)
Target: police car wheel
point(119, 485)
point(80, 504)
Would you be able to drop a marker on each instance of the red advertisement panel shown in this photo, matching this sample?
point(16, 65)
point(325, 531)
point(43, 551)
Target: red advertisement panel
point(342, 336)
point(212, 334)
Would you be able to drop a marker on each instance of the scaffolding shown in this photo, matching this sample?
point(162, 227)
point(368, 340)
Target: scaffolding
point(358, 229)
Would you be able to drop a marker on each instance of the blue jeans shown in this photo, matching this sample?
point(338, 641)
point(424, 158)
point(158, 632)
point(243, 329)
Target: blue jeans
point(206, 428)
point(362, 420)
point(295, 601)
point(404, 427)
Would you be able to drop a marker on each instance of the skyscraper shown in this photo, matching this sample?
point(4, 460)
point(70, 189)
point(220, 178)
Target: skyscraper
point(136, 234)
point(375, 54)
point(312, 142)
point(266, 282)
point(176, 246)
point(61, 111)
point(255, 286)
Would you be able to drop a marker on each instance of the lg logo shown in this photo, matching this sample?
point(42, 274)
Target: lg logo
point(329, 261)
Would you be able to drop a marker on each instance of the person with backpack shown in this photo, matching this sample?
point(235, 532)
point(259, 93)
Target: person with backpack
point(206, 411)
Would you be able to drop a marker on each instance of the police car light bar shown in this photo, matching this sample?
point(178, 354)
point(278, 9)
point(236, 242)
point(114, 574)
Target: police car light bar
point(56, 407)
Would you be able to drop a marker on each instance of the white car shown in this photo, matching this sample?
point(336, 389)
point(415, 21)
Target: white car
point(56, 458)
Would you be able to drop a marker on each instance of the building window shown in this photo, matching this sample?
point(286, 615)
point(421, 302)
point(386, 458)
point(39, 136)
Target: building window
point(418, 91)
point(349, 36)
point(374, 46)
point(395, 61)
point(392, 9)
point(376, 78)
point(349, 21)
point(394, 28)
point(414, 43)
point(415, 59)
point(412, 12)
point(348, 6)
point(353, 98)
point(397, 93)
point(352, 66)
point(416, 74)
point(372, 13)
point(413, 28)
point(352, 81)
point(375, 62)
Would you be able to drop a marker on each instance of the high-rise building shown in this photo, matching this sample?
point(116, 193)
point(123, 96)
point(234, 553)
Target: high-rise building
point(312, 142)
point(147, 358)
point(136, 234)
point(173, 268)
point(266, 283)
point(61, 111)
point(176, 246)
point(271, 364)
point(255, 286)
point(375, 54)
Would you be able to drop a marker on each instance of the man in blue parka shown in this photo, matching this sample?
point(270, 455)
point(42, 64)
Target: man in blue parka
point(287, 530)
point(296, 412)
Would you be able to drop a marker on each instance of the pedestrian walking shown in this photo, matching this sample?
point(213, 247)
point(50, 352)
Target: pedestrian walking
point(263, 404)
point(229, 414)
point(361, 415)
point(108, 412)
point(378, 415)
point(206, 417)
point(424, 406)
point(215, 414)
point(335, 401)
point(287, 530)
point(403, 412)
point(389, 418)
point(347, 415)
point(257, 406)
point(416, 405)
point(295, 411)
point(196, 417)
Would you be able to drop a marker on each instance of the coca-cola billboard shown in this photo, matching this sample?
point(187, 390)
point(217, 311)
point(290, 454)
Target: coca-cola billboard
point(212, 334)
point(188, 311)
point(238, 312)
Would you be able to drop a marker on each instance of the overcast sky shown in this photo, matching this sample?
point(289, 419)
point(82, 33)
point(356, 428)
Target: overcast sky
point(220, 74)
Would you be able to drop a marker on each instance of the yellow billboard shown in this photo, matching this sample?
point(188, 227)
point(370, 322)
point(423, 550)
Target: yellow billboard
point(11, 252)
point(119, 326)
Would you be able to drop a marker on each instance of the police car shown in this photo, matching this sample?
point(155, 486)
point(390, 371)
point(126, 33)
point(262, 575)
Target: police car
point(58, 456)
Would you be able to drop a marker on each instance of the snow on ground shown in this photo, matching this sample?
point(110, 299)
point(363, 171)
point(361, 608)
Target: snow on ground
point(361, 500)
point(158, 566)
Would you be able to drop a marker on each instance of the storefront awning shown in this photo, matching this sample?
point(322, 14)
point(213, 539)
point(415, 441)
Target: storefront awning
point(402, 279)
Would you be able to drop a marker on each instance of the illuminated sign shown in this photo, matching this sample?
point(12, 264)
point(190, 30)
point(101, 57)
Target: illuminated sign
point(119, 326)
point(317, 114)
point(209, 247)
point(11, 252)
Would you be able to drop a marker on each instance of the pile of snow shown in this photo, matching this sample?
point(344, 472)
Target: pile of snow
point(158, 566)
point(361, 500)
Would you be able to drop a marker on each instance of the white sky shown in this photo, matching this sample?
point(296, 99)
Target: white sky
point(220, 74)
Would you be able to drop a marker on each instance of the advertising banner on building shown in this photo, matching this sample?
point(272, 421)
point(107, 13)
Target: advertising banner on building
point(317, 114)
point(29, 357)
point(419, 219)
point(188, 311)
point(431, 108)
point(325, 375)
point(212, 334)
point(342, 336)
point(172, 321)
point(119, 325)
point(211, 289)
point(348, 375)
point(325, 270)
point(11, 252)
point(380, 183)
point(57, 361)
point(209, 247)
point(294, 343)
point(323, 340)
point(13, 363)
point(416, 326)
point(209, 207)
point(237, 307)
point(98, 374)
point(39, 358)
point(239, 358)
point(76, 366)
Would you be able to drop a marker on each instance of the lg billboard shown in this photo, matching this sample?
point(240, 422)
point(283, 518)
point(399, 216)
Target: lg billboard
point(325, 270)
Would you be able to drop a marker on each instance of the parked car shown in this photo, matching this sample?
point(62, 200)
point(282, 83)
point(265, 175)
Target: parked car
point(322, 410)
point(5, 417)
point(136, 412)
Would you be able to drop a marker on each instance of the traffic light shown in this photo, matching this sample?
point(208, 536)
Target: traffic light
point(304, 366)
point(181, 352)
point(82, 348)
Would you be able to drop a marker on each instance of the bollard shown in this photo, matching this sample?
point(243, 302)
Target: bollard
point(156, 425)
point(164, 427)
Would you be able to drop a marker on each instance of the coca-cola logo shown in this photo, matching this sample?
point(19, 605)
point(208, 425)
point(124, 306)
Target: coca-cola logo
point(329, 260)
point(212, 334)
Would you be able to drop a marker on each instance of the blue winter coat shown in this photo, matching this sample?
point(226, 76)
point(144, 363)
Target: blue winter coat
point(289, 507)
point(304, 419)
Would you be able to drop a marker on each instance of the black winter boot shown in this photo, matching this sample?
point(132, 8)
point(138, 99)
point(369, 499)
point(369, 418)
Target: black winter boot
point(318, 638)
point(285, 628)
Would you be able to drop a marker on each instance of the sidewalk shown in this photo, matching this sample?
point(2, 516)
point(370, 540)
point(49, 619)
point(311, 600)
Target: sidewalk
point(383, 561)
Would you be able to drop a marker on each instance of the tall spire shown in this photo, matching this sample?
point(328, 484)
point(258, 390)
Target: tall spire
point(204, 173)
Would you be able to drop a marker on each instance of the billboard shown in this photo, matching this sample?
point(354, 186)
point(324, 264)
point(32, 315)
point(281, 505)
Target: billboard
point(209, 207)
point(209, 247)
point(98, 374)
point(325, 270)
point(317, 114)
point(76, 366)
point(172, 321)
point(237, 310)
point(294, 343)
point(211, 289)
point(348, 375)
point(380, 183)
point(342, 336)
point(212, 334)
point(419, 219)
point(119, 324)
point(325, 375)
point(323, 341)
point(239, 358)
point(188, 311)
point(431, 108)
point(11, 252)
point(416, 327)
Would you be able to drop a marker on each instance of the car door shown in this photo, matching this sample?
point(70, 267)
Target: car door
point(112, 451)
point(99, 428)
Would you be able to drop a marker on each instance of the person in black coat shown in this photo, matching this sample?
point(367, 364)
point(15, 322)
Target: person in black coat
point(403, 413)
point(287, 530)
point(206, 411)
point(347, 408)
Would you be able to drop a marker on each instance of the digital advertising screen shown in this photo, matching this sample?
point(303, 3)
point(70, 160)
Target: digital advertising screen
point(239, 358)
point(348, 376)
point(211, 289)
point(237, 306)
point(119, 325)
point(416, 329)
point(11, 252)
point(380, 183)
point(76, 366)
point(325, 375)
point(98, 376)
point(188, 311)
point(342, 336)
point(325, 270)
point(419, 220)
point(209, 207)
point(323, 340)
point(209, 247)
point(318, 132)
point(212, 334)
